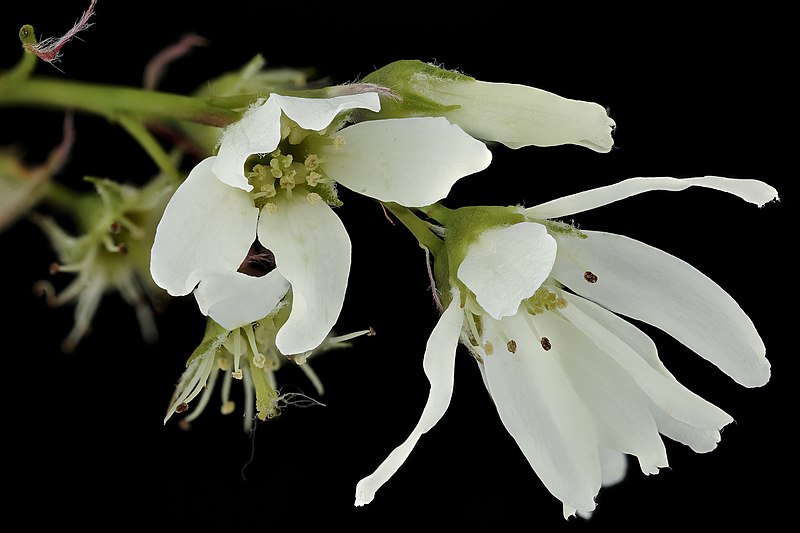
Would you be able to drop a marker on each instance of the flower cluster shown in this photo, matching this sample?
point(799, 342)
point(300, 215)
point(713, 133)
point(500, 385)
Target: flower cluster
point(253, 233)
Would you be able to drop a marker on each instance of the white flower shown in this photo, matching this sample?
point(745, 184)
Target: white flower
point(229, 214)
point(515, 115)
point(575, 384)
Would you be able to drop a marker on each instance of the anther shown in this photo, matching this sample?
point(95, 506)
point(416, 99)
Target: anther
point(259, 360)
point(227, 407)
point(313, 198)
point(488, 348)
point(54, 268)
point(339, 142)
point(546, 344)
point(590, 276)
point(237, 374)
point(182, 407)
point(512, 346)
point(271, 208)
point(313, 179)
point(311, 162)
point(115, 227)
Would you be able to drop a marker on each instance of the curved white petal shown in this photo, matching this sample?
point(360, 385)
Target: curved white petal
point(411, 161)
point(506, 265)
point(613, 466)
point(542, 411)
point(618, 406)
point(669, 395)
point(700, 440)
point(234, 299)
point(439, 365)
point(312, 251)
point(257, 132)
point(317, 113)
point(518, 115)
point(753, 191)
point(206, 226)
point(650, 285)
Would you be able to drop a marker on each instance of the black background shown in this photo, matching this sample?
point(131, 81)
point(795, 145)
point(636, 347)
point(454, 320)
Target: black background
point(693, 94)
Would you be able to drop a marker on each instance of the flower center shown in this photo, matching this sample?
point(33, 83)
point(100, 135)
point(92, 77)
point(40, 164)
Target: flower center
point(259, 261)
point(293, 168)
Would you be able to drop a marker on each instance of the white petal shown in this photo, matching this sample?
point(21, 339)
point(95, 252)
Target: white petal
point(234, 299)
point(540, 409)
point(517, 115)
point(700, 440)
point(669, 395)
point(312, 251)
point(317, 113)
point(506, 265)
point(207, 226)
point(257, 132)
point(753, 191)
point(650, 285)
point(613, 466)
point(411, 161)
point(439, 365)
point(618, 406)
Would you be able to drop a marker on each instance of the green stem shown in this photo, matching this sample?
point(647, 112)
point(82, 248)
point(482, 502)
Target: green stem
point(138, 131)
point(417, 227)
point(62, 198)
point(111, 101)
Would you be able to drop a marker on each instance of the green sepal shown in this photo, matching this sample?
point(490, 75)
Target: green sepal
point(401, 77)
point(213, 339)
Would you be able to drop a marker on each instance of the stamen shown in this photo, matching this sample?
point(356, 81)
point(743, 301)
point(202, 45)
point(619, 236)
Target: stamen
point(237, 354)
point(349, 336)
point(227, 407)
point(512, 346)
point(135, 231)
point(313, 378)
point(590, 276)
point(313, 179)
point(204, 399)
point(251, 338)
point(311, 162)
point(286, 161)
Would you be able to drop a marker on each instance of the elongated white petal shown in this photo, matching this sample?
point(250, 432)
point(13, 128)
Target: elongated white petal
point(411, 161)
point(753, 191)
point(207, 226)
point(506, 265)
point(700, 440)
point(234, 299)
point(317, 113)
point(626, 332)
point(257, 132)
point(618, 406)
point(613, 466)
point(669, 395)
point(439, 365)
point(541, 410)
point(517, 115)
point(312, 251)
point(650, 285)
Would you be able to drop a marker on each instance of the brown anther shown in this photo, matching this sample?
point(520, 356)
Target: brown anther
point(372, 332)
point(54, 268)
point(512, 346)
point(182, 407)
point(546, 344)
point(123, 248)
point(590, 276)
point(184, 425)
point(115, 227)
